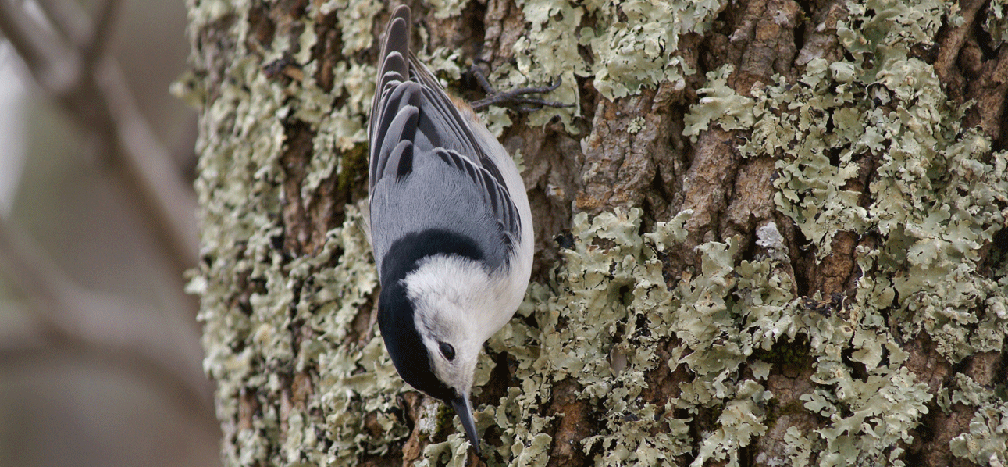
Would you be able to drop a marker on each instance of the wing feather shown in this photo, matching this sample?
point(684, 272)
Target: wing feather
point(412, 117)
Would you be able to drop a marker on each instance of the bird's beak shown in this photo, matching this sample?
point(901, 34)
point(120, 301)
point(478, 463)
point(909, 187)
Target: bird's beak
point(464, 410)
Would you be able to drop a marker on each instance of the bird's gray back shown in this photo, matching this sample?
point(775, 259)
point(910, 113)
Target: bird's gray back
point(428, 169)
point(434, 197)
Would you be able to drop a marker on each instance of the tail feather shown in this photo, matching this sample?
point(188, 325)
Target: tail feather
point(393, 61)
point(393, 70)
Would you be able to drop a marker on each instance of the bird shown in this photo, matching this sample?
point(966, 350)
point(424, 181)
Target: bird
point(449, 224)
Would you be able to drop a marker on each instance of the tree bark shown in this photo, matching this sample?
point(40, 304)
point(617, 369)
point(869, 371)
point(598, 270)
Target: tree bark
point(769, 233)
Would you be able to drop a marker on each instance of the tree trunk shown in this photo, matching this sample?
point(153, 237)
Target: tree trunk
point(768, 233)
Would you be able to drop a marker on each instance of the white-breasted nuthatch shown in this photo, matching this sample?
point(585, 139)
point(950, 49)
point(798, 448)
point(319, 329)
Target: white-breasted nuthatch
point(450, 227)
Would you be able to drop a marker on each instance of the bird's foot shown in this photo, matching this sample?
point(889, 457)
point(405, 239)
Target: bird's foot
point(520, 99)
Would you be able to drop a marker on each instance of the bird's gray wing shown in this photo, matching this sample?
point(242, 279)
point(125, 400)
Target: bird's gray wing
point(493, 193)
point(413, 123)
point(415, 188)
point(445, 127)
point(450, 123)
point(388, 101)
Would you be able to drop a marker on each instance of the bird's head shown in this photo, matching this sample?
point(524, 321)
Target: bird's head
point(430, 333)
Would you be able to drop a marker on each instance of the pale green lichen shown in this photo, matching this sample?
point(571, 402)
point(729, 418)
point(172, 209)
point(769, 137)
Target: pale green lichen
point(355, 19)
point(811, 186)
point(719, 103)
point(938, 197)
point(937, 192)
point(797, 447)
point(636, 125)
point(986, 441)
point(447, 8)
point(870, 420)
point(634, 44)
point(248, 342)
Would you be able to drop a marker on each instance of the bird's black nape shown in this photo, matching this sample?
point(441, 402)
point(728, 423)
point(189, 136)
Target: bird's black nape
point(409, 355)
point(396, 314)
point(396, 317)
point(405, 254)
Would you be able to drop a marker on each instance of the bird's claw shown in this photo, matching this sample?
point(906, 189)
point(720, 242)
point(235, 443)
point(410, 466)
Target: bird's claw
point(515, 99)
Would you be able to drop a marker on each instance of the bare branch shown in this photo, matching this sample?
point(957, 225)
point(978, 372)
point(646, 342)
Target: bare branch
point(88, 84)
point(102, 31)
point(28, 357)
point(68, 19)
point(52, 64)
point(144, 341)
point(89, 40)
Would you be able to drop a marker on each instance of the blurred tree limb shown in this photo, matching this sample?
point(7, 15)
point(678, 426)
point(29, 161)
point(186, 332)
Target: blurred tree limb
point(67, 56)
point(83, 322)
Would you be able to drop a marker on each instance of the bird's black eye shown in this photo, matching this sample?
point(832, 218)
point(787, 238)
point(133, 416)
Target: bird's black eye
point(447, 350)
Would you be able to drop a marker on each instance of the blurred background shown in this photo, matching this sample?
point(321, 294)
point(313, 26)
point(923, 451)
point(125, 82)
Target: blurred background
point(100, 357)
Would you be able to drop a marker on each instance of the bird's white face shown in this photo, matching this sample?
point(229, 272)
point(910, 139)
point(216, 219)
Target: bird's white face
point(454, 359)
point(453, 300)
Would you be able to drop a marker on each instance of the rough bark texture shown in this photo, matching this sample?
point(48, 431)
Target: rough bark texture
point(303, 377)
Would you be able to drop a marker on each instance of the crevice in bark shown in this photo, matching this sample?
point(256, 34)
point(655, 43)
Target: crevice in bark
point(968, 72)
point(294, 160)
point(328, 53)
point(475, 16)
point(938, 427)
point(573, 424)
point(361, 328)
point(984, 40)
point(261, 26)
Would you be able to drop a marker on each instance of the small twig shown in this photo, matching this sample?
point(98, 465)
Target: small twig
point(51, 63)
point(516, 99)
point(94, 49)
point(69, 20)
